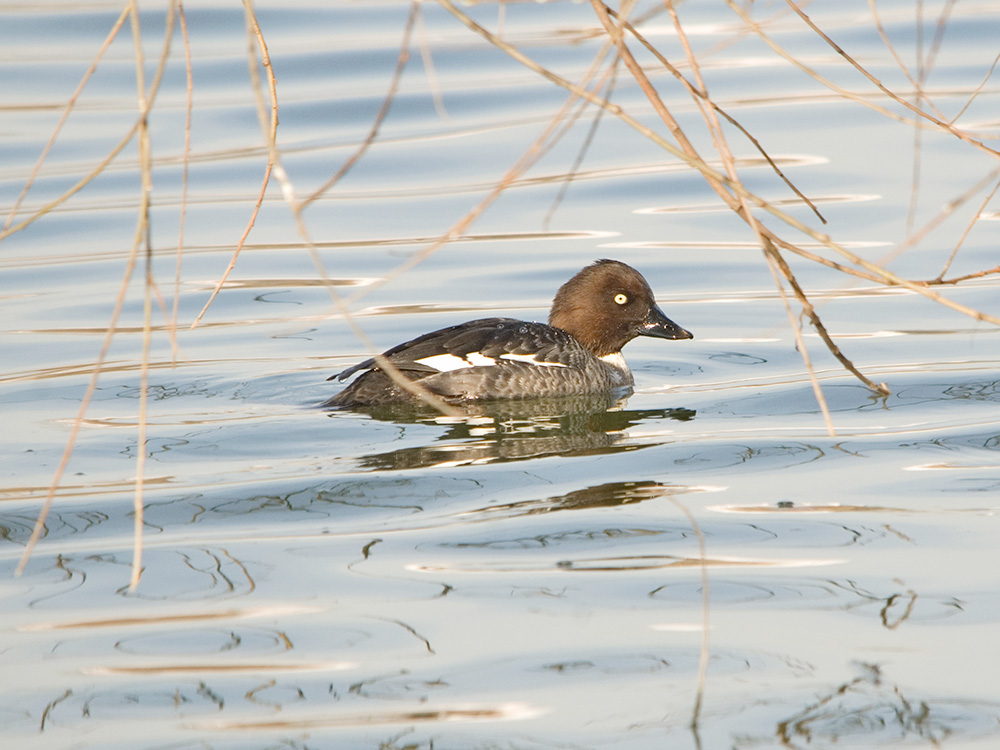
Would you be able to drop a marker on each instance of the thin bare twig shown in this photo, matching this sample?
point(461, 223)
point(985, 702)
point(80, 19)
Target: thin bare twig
point(429, 70)
point(738, 202)
point(975, 92)
point(401, 61)
point(146, 103)
point(144, 239)
point(588, 140)
point(62, 120)
point(864, 101)
point(968, 227)
point(702, 99)
point(939, 218)
point(945, 126)
point(186, 159)
point(713, 177)
point(270, 127)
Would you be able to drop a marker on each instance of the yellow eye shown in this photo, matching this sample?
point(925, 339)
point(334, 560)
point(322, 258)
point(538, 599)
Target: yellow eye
point(621, 299)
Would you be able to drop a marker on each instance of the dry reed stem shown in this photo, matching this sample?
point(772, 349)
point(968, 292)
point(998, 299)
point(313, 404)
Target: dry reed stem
point(968, 276)
point(62, 119)
point(926, 66)
point(531, 155)
point(76, 188)
point(269, 125)
point(253, 31)
point(887, 277)
point(239, 246)
point(975, 91)
point(827, 262)
point(401, 61)
point(702, 99)
point(142, 238)
point(941, 124)
point(39, 527)
point(607, 82)
point(429, 70)
point(775, 261)
point(146, 100)
point(884, 276)
point(939, 279)
point(694, 162)
point(919, 96)
point(615, 33)
point(883, 34)
point(911, 213)
point(186, 159)
point(737, 203)
point(941, 216)
point(700, 93)
point(810, 311)
point(758, 29)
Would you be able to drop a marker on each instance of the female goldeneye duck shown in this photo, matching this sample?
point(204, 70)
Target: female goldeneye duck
point(593, 316)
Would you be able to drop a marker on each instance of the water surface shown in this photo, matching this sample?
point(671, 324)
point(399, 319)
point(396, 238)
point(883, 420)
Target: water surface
point(530, 576)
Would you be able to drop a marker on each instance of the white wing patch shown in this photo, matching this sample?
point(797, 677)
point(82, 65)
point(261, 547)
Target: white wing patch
point(448, 362)
point(530, 359)
point(479, 360)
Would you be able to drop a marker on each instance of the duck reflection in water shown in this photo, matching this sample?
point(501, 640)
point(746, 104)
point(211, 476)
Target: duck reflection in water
point(497, 431)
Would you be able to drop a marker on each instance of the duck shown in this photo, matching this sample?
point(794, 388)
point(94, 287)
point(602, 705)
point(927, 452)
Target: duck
point(579, 351)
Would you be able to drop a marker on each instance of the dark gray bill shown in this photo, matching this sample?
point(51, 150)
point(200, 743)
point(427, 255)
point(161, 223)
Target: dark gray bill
point(660, 326)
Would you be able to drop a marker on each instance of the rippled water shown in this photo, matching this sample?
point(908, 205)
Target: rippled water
point(531, 575)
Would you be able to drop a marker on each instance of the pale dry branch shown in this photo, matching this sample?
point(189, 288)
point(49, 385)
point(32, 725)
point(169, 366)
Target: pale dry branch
point(62, 119)
point(737, 202)
point(939, 218)
point(269, 125)
point(701, 99)
point(968, 227)
point(186, 159)
point(401, 61)
point(145, 104)
point(776, 263)
point(904, 69)
point(118, 148)
point(144, 240)
point(775, 260)
point(588, 140)
point(531, 155)
point(969, 276)
point(758, 29)
point(977, 90)
point(255, 42)
point(429, 69)
point(711, 175)
point(938, 122)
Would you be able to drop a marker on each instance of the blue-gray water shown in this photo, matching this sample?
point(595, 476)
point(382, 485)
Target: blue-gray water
point(525, 578)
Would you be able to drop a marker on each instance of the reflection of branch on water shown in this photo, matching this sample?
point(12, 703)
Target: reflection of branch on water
point(518, 430)
point(608, 495)
point(880, 713)
point(895, 608)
